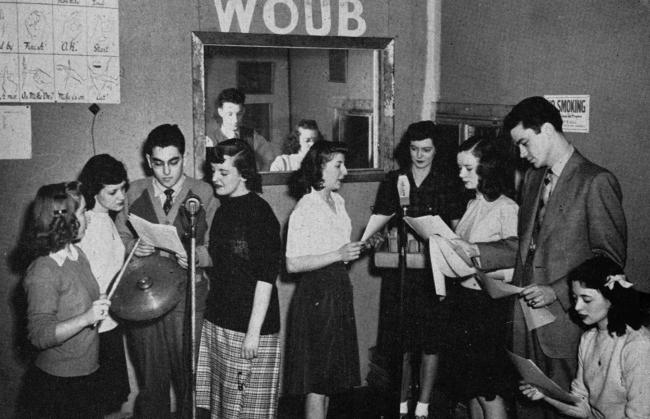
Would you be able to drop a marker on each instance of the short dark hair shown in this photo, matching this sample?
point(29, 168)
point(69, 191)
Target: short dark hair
point(310, 174)
point(533, 112)
point(165, 135)
point(99, 171)
point(243, 158)
point(625, 310)
point(418, 131)
point(292, 143)
point(53, 222)
point(495, 177)
point(231, 95)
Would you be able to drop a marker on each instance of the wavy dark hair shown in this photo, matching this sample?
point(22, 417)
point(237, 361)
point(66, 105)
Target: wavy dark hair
point(625, 308)
point(292, 143)
point(101, 170)
point(162, 136)
point(310, 174)
point(419, 131)
point(243, 158)
point(495, 176)
point(53, 222)
point(533, 112)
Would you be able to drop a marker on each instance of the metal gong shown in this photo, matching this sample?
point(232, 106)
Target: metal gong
point(151, 286)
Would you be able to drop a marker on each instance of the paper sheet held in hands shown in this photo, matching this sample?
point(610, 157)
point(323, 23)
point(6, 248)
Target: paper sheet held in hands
point(375, 224)
point(158, 235)
point(430, 225)
point(531, 374)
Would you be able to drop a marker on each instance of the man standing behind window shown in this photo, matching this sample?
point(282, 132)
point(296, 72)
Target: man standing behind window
point(230, 109)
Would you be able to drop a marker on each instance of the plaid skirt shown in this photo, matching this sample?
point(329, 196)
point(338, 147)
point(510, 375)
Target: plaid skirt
point(233, 387)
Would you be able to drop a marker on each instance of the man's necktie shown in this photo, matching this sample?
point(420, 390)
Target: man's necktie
point(547, 188)
point(168, 200)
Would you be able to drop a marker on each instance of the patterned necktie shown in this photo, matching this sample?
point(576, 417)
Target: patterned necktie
point(168, 201)
point(546, 194)
point(541, 209)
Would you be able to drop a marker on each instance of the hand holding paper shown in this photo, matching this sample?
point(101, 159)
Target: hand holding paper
point(158, 235)
point(531, 374)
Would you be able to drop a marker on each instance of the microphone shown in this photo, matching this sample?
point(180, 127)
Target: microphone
point(404, 191)
point(192, 204)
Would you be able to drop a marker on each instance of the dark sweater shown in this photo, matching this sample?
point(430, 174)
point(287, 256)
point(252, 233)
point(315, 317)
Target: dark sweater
point(245, 248)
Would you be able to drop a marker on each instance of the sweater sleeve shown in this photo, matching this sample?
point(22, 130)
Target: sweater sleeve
point(578, 387)
point(635, 368)
point(268, 246)
point(42, 305)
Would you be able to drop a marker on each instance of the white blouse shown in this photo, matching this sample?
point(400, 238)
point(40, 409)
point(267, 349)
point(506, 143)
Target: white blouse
point(314, 229)
point(105, 251)
point(486, 221)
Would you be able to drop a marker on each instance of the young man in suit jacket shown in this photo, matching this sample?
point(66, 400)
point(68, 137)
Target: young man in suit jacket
point(159, 347)
point(570, 211)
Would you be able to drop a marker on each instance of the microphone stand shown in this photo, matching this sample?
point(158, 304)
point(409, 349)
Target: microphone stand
point(192, 262)
point(402, 240)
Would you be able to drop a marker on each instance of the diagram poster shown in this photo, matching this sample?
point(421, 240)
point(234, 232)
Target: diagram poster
point(59, 51)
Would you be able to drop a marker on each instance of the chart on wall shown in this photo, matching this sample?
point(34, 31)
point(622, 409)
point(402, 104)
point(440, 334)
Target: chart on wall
point(59, 51)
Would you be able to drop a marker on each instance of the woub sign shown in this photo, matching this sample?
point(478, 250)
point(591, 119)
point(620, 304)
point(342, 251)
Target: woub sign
point(283, 17)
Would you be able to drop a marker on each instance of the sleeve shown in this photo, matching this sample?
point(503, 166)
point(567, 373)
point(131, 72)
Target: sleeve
point(635, 368)
point(508, 217)
point(578, 387)
point(387, 201)
point(279, 164)
point(606, 220)
point(268, 246)
point(499, 254)
point(89, 246)
point(42, 306)
point(301, 230)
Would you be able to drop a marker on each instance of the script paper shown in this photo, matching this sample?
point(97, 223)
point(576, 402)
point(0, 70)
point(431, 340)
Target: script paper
point(536, 317)
point(158, 235)
point(533, 375)
point(375, 224)
point(430, 225)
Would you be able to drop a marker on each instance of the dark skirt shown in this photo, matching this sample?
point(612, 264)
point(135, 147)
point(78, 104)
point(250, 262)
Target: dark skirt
point(47, 396)
point(112, 372)
point(322, 350)
point(478, 356)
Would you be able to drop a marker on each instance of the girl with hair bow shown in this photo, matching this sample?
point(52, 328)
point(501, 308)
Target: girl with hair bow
point(613, 378)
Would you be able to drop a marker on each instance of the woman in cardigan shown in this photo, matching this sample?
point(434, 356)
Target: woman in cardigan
point(613, 378)
point(64, 307)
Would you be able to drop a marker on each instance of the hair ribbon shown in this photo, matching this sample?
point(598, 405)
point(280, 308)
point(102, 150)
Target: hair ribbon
point(620, 279)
